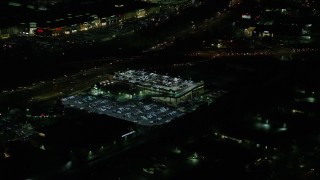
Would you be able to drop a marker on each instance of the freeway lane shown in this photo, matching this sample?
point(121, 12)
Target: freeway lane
point(276, 52)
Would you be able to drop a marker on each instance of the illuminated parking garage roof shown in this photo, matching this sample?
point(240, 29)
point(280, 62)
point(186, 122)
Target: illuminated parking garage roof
point(157, 82)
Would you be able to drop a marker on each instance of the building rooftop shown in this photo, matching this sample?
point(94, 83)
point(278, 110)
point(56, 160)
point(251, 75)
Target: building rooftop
point(174, 86)
point(11, 15)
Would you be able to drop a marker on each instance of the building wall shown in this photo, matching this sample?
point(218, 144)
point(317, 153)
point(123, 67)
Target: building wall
point(6, 32)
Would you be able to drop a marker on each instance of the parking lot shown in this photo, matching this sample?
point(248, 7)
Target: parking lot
point(141, 112)
point(161, 83)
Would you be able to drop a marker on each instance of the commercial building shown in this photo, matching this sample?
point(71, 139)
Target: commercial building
point(143, 98)
point(83, 22)
point(22, 19)
point(172, 90)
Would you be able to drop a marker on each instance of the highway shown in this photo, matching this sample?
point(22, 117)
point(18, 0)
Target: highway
point(275, 52)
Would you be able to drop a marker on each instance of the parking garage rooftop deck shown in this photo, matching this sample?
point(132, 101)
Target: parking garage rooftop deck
point(173, 86)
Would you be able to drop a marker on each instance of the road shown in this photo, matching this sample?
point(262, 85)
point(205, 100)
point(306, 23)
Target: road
point(50, 90)
point(277, 52)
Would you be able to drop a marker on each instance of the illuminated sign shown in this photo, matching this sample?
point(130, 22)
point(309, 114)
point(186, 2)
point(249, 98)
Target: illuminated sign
point(246, 16)
point(33, 24)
